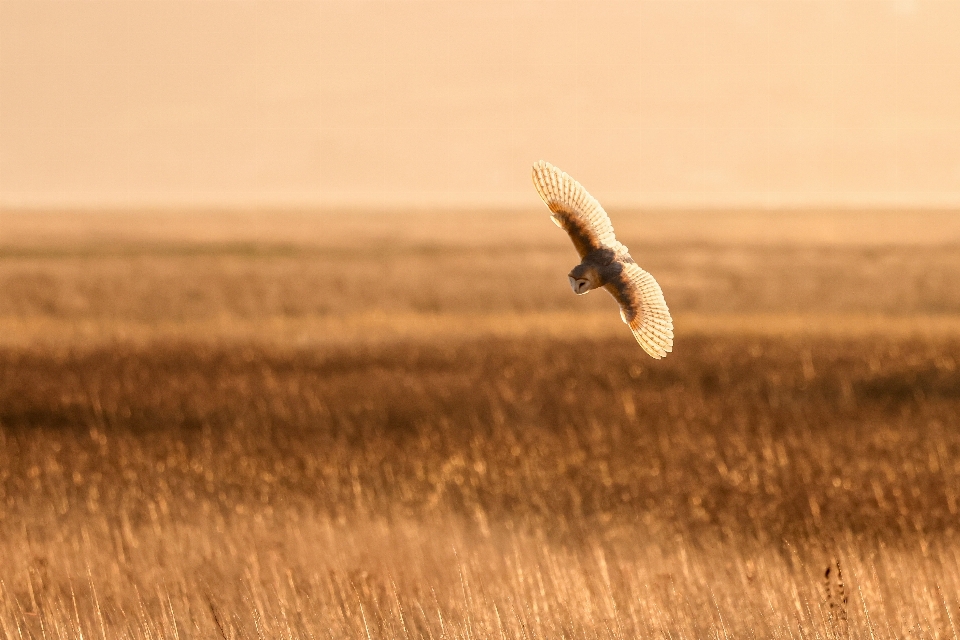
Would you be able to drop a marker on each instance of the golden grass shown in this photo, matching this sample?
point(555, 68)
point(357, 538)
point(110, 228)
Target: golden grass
point(475, 228)
point(378, 328)
point(566, 487)
point(320, 279)
point(276, 437)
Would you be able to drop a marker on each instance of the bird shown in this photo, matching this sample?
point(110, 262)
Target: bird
point(605, 262)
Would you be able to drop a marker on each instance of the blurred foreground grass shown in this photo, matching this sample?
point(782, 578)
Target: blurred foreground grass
point(540, 488)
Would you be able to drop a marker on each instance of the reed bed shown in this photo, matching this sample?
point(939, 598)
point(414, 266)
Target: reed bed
point(495, 488)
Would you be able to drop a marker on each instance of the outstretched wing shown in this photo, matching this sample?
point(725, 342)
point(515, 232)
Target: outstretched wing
point(643, 308)
point(575, 211)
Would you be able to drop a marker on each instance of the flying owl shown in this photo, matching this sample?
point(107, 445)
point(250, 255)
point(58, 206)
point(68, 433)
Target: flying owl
point(604, 261)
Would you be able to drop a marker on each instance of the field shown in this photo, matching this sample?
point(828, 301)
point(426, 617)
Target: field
point(295, 425)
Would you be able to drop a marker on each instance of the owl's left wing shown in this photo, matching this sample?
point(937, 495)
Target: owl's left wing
point(643, 308)
point(575, 211)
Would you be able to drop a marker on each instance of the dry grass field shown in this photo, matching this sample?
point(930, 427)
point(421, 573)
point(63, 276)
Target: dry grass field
point(406, 426)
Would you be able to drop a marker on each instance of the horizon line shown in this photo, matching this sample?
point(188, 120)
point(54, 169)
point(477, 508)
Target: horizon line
point(673, 202)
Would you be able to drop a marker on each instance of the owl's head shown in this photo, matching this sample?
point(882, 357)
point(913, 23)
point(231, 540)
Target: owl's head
point(583, 278)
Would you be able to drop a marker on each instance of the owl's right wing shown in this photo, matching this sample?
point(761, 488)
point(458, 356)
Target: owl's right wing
point(575, 211)
point(643, 308)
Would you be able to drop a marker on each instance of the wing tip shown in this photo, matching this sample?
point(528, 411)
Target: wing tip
point(656, 340)
point(542, 164)
point(655, 351)
point(539, 168)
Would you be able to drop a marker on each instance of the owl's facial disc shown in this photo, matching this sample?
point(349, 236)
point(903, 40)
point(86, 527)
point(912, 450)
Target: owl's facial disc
point(579, 285)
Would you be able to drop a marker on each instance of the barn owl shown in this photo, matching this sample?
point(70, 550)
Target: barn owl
point(605, 262)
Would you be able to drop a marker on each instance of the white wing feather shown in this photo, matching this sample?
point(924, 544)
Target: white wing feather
point(575, 210)
point(644, 310)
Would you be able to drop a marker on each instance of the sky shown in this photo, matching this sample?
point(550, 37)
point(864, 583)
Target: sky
point(447, 103)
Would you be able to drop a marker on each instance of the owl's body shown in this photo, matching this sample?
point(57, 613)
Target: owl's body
point(605, 262)
point(599, 268)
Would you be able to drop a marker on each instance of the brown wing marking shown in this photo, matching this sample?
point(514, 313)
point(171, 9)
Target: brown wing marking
point(574, 210)
point(644, 310)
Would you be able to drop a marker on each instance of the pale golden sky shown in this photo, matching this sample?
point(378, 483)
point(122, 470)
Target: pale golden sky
point(408, 102)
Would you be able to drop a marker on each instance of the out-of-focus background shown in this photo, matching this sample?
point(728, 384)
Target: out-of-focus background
point(287, 347)
point(447, 102)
